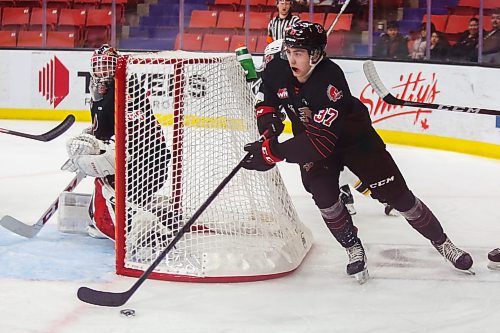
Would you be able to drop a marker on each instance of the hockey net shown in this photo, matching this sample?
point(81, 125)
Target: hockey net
point(204, 110)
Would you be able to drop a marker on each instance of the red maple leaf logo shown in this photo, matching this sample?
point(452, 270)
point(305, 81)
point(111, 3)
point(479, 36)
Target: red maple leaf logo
point(424, 124)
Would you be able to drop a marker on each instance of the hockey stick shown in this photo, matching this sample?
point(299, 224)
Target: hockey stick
point(107, 298)
point(30, 231)
point(344, 6)
point(50, 135)
point(374, 79)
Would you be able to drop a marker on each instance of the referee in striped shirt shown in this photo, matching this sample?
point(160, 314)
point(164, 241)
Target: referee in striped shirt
point(277, 25)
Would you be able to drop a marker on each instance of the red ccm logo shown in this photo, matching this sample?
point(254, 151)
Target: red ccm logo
point(53, 82)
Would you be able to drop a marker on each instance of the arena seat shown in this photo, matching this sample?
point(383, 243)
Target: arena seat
point(344, 22)
point(29, 39)
point(8, 38)
point(29, 3)
point(238, 40)
point(335, 44)
point(261, 44)
point(120, 8)
point(438, 20)
point(72, 20)
point(230, 20)
point(216, 43)
point(61, 39)
point(317, 17)
point(203, 19)
point(491, 4)
point(98, 27)
point(86, 4)
point(260, 5)
point(487, 23)
point(457, 24)
point(259, 20)
point(59, 3)
point(15, 18)
point(7, 3)
point(226, 5)
point(51, 17)
point(192, 42)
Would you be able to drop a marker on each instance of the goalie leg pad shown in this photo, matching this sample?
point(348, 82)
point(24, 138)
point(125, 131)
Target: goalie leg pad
point(73, 216)
point(103, 209)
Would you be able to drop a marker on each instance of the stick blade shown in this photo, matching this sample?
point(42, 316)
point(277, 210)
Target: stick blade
point(59, 129)
point(102, 298)
point(18, 227)
point(372, 77)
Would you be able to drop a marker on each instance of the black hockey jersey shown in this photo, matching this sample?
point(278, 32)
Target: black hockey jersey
point(325, 116)
point(148, 155)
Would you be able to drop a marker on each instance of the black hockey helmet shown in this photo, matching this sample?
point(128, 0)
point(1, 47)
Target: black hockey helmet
point(306, 35)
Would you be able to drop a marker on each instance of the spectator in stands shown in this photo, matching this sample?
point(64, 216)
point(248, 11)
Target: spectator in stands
point(420, 45)
point(277, 25)
point(466, 47)
point(439, 46)
point(491, 42)
point(392, 44)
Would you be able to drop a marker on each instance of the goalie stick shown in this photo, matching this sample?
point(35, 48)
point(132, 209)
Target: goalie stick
point(50, 135)
point(107, 298)
point(376, 83)
point(30, 231)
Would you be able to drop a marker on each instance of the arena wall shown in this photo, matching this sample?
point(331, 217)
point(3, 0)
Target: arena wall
point(48, 85)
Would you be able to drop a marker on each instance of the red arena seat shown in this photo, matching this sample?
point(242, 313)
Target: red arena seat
point(61, 39)
point(30, 39)
point(215, 42)
point(8, 38)
point(203, 19)
point(192, 42)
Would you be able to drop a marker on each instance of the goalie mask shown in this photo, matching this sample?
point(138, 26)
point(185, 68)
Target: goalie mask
point(103, 63)
point(309, 36)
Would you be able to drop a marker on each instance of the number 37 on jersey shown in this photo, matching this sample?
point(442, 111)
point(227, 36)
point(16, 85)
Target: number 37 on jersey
point(326, 116)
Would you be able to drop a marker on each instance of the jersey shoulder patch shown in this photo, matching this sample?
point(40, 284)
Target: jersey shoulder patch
point(333, 93)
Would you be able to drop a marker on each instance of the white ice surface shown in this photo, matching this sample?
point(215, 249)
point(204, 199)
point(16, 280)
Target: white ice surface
point(412, 289)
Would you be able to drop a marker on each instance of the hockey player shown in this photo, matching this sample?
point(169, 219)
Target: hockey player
point(93, 151)
point(273, 52)
point(332, 129)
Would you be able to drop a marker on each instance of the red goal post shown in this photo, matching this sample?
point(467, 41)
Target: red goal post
point(200, 108)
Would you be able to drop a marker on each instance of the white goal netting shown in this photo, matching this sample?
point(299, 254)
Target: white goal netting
point(183, 119)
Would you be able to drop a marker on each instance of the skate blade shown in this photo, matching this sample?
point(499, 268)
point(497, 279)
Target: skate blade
point(494, 266)
point(362, 276)
point(465, 271)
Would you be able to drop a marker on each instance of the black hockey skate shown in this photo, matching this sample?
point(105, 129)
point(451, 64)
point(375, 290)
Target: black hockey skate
point(494, 258)
point(357, 263)
point(460, 259)
point(347, 199)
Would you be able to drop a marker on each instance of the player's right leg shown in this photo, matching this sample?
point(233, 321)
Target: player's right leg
point(322, 183)
point(102, 210)
point(387, 185)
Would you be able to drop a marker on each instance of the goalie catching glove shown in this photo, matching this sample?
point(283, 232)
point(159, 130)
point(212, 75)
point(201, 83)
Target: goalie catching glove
point(94, 157)
point(262, 158)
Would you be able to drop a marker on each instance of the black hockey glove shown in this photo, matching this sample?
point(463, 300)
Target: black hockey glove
point(262, 159)
point(268, 119)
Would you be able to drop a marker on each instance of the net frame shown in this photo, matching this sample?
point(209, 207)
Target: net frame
point(178, 60)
